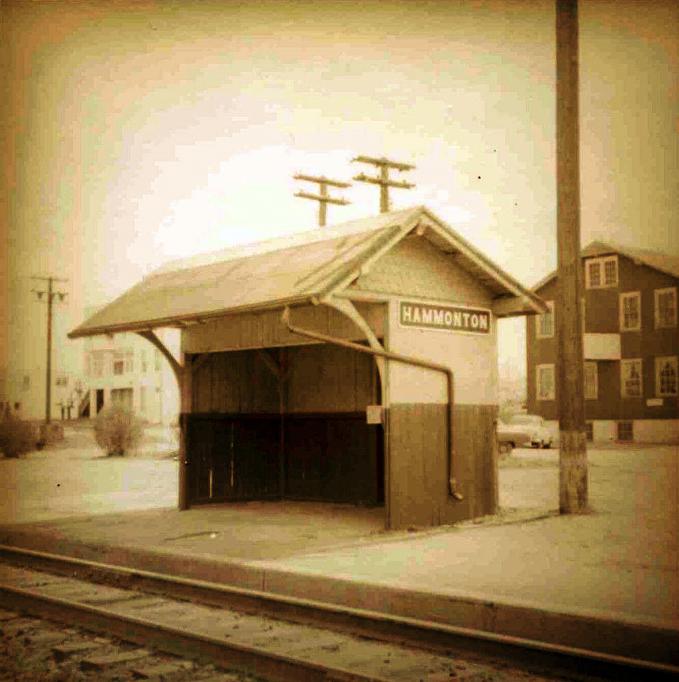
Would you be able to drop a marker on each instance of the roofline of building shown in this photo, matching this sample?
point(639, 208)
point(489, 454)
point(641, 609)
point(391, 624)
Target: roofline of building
point(186, 320)
point(491, 268)
point(342, 280)
point(611, 248)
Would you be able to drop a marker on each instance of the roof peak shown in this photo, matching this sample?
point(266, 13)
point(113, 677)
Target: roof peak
point(292, 239)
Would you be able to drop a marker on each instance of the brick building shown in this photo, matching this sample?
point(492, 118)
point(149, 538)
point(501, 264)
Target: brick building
point(631, 345)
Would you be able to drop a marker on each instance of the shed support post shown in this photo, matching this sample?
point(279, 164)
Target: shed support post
point(185, 398)
point(183, 374)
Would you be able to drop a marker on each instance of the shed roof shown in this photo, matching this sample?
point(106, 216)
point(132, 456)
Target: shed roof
point(663, 262)
point(289, 270)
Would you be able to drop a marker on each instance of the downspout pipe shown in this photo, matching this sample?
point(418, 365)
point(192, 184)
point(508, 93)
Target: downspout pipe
point(396, 357)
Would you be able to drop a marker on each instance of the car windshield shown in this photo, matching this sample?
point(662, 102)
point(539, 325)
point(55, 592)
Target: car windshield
point(525, 419)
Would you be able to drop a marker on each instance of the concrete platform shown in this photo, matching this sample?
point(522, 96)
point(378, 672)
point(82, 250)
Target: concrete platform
point(607, 580)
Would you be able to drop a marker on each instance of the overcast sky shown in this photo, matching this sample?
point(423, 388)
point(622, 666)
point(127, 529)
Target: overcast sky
point(145, 131)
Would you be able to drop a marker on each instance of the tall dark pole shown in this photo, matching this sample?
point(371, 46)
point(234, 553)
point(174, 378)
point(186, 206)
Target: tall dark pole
point(570, 376)
point(51, 295)
point(48, 373)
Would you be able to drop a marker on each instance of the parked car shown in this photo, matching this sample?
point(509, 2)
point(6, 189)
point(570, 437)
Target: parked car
point(511, 436)
point(540, 435)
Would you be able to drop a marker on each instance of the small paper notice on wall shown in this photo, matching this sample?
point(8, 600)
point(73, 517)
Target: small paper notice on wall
point(654, 402)
point(373, 414)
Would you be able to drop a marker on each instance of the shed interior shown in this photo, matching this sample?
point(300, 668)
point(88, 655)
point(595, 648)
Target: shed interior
point(285, 423)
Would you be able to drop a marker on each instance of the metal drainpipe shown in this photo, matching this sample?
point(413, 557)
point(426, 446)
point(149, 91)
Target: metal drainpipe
point(397, 357)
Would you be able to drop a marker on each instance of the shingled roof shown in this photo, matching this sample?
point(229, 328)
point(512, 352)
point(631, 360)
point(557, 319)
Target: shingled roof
point(290, 270)
point(662, 262)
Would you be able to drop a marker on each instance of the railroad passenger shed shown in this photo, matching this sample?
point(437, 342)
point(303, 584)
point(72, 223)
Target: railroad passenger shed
point(272, 413)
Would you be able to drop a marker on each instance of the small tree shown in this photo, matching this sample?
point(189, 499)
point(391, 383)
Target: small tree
point(17, 437)
point(117, 429)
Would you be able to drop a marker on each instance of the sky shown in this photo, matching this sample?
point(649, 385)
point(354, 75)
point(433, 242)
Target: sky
point(138, 132)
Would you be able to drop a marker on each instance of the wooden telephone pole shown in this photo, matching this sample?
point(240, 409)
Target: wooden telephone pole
point(322, 197)
point(570, 376)
point(50, 294)
point(384, 181)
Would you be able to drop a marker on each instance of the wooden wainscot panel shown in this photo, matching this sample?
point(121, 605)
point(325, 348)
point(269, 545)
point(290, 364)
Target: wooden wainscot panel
point(418, 464)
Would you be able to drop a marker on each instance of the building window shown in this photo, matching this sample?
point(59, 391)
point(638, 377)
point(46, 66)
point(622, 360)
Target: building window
point(626, 431)
point(591, 381)
point(157, 360)
point(544, 324)
point(630, 312)
point(144, 362)
point(589, 430)
point(25, 382)
point(129, 361)
point(601, 272)
point(666, 376)
point(97, 365)
point(665, 308)
point(630, 378)
point(118, 364)
point(545, 382)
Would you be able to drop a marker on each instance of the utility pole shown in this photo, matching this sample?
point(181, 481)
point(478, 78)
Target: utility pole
point(322, 197)
point(51, 295)
point(384, 181)
point(570, 376)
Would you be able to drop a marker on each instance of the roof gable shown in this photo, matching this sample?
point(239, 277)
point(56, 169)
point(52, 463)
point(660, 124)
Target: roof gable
point(662, 262)
point(284, 271)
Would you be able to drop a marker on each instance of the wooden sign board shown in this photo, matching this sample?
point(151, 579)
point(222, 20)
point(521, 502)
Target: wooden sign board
point(446, 318)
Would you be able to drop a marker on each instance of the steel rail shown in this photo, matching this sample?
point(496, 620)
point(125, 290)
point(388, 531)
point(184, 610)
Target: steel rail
point(176, 640)
point(414, 632)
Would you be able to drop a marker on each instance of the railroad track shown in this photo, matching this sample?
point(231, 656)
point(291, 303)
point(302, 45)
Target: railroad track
point(282, 638)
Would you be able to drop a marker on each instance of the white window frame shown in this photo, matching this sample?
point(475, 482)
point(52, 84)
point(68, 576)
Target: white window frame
point(623, 297)
point(602, 271)
point(656, 311)
point(538, 383)
point(672, 359)
point(594, 394)
point(625, 363)
point(540, 318)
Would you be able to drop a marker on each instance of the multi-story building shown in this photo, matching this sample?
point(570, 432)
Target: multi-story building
point(126, 369)
point(631, 345)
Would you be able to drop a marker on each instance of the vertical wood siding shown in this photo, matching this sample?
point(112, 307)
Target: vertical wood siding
point(265, 330)
point(418, 477)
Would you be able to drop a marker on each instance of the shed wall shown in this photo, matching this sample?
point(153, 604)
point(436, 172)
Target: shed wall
point(418, 455)
point(265, 330)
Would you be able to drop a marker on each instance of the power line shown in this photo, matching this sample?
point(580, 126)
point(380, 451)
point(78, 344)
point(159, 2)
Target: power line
point(322, 198)
point(383, 180)
point(51, 295)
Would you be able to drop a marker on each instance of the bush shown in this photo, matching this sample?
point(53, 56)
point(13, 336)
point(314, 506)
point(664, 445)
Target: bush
point(17, 437)
point(117, 430)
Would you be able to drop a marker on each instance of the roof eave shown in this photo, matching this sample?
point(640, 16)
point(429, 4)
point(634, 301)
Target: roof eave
point(184, 320)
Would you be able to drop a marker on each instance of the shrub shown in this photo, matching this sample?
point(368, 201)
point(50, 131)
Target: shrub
point(117, 429)
point(17, 437)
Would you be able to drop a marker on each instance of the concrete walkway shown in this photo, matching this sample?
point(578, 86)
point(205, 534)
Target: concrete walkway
point(618, 564)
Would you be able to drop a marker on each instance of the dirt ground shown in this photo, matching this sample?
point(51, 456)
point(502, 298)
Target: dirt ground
point(74, 477)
